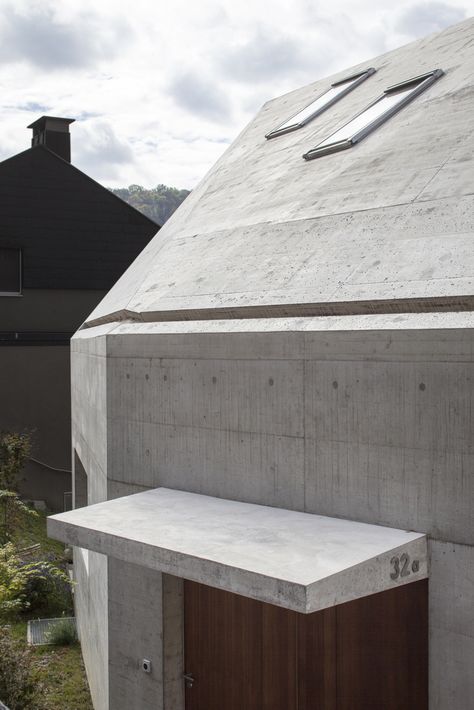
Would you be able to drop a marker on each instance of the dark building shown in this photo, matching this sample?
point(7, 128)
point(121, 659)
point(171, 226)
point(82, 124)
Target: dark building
point(64, 242)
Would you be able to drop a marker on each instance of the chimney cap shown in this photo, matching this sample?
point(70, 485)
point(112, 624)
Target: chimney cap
point(40, 123)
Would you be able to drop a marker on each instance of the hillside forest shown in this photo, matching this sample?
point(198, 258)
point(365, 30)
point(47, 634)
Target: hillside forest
point(158, 202)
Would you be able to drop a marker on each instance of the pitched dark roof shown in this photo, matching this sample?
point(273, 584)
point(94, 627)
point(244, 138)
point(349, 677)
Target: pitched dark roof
point(73, 232)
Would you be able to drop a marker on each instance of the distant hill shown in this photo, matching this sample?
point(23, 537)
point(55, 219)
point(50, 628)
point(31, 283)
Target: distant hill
point(158, 203)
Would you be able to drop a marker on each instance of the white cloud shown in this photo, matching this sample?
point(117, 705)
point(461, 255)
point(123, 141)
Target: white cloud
point(159, 89)
point(39, 36)
point(200, 96)
point(98, 149)
point(427, 17)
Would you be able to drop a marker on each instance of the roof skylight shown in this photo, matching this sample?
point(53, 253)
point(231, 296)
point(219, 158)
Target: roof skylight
point(324, 101)
point(392, 100)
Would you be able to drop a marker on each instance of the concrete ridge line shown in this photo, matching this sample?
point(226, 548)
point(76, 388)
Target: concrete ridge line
point(297, 310)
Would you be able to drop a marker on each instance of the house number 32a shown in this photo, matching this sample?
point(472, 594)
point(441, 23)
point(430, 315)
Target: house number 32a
point(401, 566)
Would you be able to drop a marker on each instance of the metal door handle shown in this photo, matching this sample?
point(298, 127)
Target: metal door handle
point(188, 680)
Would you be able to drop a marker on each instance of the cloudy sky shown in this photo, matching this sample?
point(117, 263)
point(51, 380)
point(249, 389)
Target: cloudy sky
point(159, 89)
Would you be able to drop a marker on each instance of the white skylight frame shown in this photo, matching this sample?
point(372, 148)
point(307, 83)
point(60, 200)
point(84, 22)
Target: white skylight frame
point(360, 129)
point(334, 94)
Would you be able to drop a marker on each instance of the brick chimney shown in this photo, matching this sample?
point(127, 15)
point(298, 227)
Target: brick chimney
point(53, 133)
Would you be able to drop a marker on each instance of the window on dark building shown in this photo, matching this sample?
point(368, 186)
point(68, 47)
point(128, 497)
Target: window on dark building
point(10, 271)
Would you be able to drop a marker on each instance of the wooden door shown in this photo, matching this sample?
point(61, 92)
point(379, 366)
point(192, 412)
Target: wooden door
point(241, 653)
point(364, 655)
point(382, 650)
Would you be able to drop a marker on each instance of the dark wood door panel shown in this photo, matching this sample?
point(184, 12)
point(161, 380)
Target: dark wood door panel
point(279, 658)
point(317, 660)
point(223, 648)
point(242, 653)
point(382, 650)
point(364, 655)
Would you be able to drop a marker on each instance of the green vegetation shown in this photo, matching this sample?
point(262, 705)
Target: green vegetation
point(14, 451)
point(63, 633)
point(157, 203)
point(17, 682)
point(57, 673)
point(33, 579)
point(14, 515)
point(40, 587)
point(33, 583)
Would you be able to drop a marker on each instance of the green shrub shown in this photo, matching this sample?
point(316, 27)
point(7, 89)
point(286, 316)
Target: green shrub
point(15, 450)
point(18, 689)
point(63, 633)
point(14, 515)
point(40, 587)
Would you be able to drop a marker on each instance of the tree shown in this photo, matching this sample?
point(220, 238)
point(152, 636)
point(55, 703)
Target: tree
point(158, 203)
point(14, 516)
point(15, 450)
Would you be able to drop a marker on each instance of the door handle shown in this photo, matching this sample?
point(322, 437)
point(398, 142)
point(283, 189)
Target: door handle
point(188, 680)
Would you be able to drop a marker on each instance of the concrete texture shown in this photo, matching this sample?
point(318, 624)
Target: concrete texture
point(346, 424)
point(294, 560)
point(89, 427)
point(135, 633)
point(173, 634)
point(451, 626)
point(385, 223)
point(302, 369)
point(197, 411)
point(91, 604)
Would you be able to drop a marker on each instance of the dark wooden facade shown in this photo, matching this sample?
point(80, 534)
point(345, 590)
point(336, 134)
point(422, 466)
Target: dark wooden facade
point(71, 239)
point(367, 654)
point(72, 231)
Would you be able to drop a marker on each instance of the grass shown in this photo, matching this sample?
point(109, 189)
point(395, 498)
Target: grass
point(59, 672)
point(34, 532)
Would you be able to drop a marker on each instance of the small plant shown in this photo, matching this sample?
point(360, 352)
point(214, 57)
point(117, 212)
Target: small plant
point(18, 689)
point(15, 450)
point(63, 633)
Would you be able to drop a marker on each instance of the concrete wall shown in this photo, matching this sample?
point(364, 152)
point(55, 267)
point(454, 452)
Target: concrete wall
point(368, 418)
point(364, 417)
point(145, 622)
point(89, 440)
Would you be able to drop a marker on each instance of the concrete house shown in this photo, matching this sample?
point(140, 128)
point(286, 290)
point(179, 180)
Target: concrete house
point(273, 414)
point(64, 242)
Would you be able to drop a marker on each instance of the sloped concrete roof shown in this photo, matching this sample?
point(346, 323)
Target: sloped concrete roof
point(385, 226)
point(296, 560)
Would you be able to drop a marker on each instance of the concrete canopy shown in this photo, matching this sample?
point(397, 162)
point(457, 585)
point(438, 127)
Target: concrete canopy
point(295, 560)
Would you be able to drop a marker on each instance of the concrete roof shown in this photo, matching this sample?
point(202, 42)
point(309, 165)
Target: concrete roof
point(384, 226)
point(296, 560)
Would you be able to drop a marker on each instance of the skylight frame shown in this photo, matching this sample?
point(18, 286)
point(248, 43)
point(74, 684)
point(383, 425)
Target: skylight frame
point(420, 84)
point(355, 80)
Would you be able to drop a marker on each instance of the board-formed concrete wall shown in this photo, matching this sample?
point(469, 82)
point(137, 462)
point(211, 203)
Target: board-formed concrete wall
point(328, 387)
point(89, 441)
point(367, 418)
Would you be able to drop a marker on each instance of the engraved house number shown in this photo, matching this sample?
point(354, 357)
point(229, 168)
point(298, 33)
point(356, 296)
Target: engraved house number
point(401, 566)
